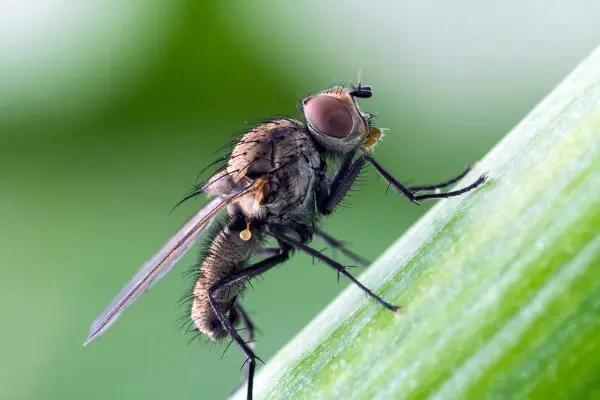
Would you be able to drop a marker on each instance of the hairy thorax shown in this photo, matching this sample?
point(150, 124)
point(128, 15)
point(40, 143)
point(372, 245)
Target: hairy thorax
point(282, 154)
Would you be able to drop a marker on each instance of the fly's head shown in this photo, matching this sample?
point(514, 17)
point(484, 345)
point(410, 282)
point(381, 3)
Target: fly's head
point(335, 120)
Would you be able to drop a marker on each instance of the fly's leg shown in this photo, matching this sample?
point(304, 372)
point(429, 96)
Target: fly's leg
point(341, 269)
point(338, 245)
point(335, 244)
point(233, 280)
point(266, 251)
point(442, 185)
point(410, 192)
point(341, 183)
point(247, 323)
point(250, 328)
point(349, 170)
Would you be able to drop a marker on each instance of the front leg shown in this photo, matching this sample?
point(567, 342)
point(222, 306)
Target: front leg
point(410, 192)
point(349, 171)
point(330, 195)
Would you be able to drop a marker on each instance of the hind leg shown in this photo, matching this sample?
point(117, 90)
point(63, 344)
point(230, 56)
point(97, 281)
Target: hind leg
point(232, 280)
point(237, 315)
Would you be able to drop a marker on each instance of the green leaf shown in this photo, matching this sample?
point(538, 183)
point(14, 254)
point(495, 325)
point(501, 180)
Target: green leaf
point(501, 286)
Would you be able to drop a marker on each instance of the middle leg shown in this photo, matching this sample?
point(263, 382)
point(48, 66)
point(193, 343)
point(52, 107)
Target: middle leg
point(338, 245)
point(341, 269)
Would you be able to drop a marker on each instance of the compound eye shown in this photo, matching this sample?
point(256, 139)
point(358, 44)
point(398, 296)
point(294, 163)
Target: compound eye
point(329, 116)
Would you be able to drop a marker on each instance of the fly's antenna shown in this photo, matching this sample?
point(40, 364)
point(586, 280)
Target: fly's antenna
point(361, 91)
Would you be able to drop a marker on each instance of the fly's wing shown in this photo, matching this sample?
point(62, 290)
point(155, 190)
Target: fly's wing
point(162, 262)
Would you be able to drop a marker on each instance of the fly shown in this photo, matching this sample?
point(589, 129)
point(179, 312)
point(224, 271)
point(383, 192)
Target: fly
point(274, 184)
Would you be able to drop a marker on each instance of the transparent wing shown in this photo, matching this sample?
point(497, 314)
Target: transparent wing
point(162, 262)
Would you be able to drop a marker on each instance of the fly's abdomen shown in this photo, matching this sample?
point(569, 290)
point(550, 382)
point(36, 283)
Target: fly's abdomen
point(227, 253)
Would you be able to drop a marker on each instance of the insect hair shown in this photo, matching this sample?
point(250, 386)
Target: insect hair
point(209, 247)
point(200, 185)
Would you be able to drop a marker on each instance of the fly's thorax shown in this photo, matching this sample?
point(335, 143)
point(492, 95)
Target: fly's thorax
point(281, 156)
point(263, 149)
point(226, 254)
point(261, 152)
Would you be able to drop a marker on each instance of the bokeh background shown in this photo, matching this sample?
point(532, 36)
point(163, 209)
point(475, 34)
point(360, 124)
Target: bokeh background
point(109, 109)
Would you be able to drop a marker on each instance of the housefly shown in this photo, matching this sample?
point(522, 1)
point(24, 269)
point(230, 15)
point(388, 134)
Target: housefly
point(274, 184)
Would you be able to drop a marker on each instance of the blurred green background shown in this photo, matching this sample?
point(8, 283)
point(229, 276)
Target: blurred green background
point(109, 109)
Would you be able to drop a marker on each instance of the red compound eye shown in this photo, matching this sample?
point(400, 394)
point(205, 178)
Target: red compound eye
point(329, 116)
